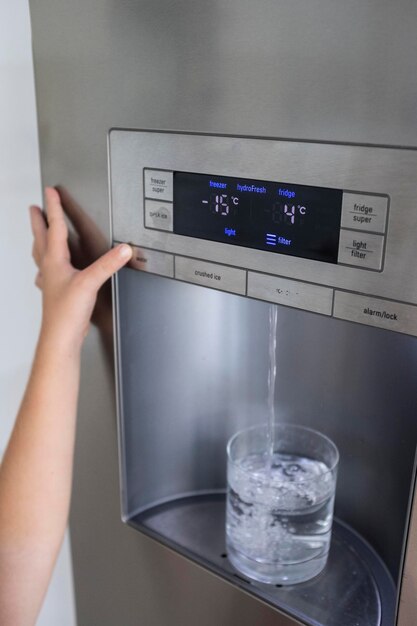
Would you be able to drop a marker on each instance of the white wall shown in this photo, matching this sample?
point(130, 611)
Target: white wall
point(20, 300)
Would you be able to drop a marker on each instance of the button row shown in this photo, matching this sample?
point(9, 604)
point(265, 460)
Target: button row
point(260, 286)
point(347, 306)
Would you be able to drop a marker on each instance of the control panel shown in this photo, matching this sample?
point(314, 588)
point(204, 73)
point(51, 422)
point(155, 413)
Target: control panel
point(310, 222)
point(330, 229)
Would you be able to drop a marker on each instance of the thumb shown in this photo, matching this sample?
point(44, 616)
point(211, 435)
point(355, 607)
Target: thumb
point(101, 270)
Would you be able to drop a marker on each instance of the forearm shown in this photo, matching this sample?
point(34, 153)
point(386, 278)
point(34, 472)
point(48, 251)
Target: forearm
point(35, 479)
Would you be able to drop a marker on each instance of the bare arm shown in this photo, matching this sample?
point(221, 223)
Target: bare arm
point(36, 473)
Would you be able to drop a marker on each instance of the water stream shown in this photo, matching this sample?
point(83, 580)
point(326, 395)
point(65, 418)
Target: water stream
point(272, 374)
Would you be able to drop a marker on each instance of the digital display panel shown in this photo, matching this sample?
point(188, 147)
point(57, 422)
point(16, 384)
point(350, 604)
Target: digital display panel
point(298, 220)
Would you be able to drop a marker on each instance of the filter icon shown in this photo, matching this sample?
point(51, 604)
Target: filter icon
point(271, 239)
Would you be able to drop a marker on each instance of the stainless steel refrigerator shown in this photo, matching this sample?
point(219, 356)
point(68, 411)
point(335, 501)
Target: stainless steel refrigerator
point(306, 93)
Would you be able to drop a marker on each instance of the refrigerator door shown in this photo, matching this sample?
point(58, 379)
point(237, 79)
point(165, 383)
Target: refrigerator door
point(324, 71)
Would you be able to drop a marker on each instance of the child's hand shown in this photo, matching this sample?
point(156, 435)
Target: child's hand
point(69, 295)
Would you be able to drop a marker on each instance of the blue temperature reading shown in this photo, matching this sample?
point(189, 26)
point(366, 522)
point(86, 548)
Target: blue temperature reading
point(285, 213)
point(221, 204)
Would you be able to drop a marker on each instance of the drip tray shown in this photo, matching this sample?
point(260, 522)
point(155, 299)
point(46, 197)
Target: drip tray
point(355, 588)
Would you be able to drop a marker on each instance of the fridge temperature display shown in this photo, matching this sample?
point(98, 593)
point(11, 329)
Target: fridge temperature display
point(298, 220)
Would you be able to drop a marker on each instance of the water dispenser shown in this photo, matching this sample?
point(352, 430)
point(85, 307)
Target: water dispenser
point(223, 226)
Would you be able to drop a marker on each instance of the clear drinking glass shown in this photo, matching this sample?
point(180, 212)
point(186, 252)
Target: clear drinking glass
point(280, 502)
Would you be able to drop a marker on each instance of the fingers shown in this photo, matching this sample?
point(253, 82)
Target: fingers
point(57, 231)
point(102, 269)
point(39, 230)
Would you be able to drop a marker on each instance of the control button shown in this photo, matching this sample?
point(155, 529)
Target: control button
point(363, 212)
point(210, 275)
point(159, 215)
point(152, 261)
point(158, 185)
point(360, 249)
point(290, 293)
point(375, 312)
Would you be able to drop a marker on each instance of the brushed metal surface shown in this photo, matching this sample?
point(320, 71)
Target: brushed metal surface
point(407, 610)
point(322, 71)
point(342, 72)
